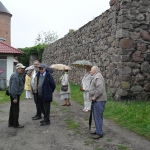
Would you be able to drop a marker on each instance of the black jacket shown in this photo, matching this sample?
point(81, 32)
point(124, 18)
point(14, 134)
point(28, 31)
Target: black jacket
point(48, 86)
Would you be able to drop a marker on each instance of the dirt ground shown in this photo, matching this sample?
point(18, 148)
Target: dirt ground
point(57, 136)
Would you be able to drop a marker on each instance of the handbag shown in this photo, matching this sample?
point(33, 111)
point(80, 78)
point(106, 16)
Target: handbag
point(7, 93)
point(64, 88)
point(81, 88)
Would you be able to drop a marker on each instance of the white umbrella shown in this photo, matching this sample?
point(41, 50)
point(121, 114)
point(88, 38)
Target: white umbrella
point(82, 63)
point(60, 67)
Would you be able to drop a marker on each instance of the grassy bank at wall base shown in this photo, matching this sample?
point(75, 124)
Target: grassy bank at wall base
point(133, 115)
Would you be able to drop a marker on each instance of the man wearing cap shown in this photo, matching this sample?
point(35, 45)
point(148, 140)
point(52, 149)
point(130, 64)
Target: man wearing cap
point(16, 87)
point(45, 89)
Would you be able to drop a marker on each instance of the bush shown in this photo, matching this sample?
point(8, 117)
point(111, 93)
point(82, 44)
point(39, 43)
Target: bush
point(35, 50)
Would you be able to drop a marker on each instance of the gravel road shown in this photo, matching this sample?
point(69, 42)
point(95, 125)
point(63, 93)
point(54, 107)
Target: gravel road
point(58, 136)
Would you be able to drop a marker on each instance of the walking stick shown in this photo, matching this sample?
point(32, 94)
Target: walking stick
point(90, 118)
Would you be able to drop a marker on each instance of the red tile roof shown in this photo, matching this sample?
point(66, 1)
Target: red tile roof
point(6, 49)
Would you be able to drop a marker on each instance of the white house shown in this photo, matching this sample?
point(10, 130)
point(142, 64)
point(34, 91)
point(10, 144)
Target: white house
point(7, 54)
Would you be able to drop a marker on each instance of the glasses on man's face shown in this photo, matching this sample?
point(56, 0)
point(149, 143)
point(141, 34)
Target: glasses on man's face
point(40, 68)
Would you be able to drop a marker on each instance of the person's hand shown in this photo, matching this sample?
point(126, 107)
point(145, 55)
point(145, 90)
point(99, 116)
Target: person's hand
point(93, 99)
point(15, 101)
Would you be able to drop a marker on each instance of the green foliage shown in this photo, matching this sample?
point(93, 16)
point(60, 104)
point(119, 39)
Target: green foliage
point(71, 31)
point(46, 37)
point(35, 50)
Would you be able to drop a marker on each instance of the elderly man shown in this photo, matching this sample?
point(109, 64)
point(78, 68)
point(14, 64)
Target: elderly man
point(16, 87)
point(34, 90)
point(45, 89)
point(98, 97)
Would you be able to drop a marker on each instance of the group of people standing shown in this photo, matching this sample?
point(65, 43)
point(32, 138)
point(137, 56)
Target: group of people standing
point(42, 88)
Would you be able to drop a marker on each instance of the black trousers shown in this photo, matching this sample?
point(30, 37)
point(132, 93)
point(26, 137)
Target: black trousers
point(45, 108)
point(14, 112)
point(38, 109)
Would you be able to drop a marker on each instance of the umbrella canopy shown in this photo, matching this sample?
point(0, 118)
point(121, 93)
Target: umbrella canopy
point(82, 63)
point(60, 67)
point(30, 68)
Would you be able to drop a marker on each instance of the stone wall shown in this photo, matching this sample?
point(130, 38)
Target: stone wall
point(32, 59)
point(117, 41)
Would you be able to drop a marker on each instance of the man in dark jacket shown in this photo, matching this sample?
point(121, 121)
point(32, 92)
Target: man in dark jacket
point(45, 89)
point(16, 87)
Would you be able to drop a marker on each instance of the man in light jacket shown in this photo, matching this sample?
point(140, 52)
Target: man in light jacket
point(16, 87)
point(98, 97)
point(34, 90)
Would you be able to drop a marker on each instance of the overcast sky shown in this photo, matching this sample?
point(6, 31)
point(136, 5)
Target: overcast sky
point(32, 16)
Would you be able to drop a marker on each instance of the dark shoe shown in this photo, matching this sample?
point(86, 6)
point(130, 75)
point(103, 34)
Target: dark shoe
point(68, 104)
point(93, 133)
point(45, 123)
point(34, 116)
point(64, 105)
point(97, 136)
point(42, 121)
point(37, 118)
point(20, 126)
point(10, 126)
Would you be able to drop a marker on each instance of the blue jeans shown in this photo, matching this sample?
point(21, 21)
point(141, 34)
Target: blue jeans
point(98, 109)
point(38, 110)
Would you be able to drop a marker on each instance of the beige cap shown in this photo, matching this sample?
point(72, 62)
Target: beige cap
point(19, 65)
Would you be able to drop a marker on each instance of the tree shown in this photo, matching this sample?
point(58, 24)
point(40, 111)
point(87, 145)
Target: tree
point(46, 38)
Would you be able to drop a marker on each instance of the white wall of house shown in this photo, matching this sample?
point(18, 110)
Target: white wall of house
point(10, 66)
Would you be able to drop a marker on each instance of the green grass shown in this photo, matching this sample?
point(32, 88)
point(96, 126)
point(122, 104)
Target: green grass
point(122, 147)
point(54, 103)
point(71, 124)
point(109, 140)
point(133, 115)
point(76, 94)
point(88, 143)
point(4, 98)
point(86, 119)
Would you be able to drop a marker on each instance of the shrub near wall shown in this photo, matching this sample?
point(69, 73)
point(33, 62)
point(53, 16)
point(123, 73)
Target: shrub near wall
point(28, 51)
point(117, 41)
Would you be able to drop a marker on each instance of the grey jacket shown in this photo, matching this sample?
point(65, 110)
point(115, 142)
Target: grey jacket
point(16, 84)
point(97, 88)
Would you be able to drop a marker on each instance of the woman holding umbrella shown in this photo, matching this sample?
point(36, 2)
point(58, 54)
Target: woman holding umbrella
point(86, 80)
point(65, 93)
point(65, 87)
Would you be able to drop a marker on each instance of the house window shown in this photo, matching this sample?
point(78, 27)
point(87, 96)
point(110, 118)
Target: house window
point(3, 57)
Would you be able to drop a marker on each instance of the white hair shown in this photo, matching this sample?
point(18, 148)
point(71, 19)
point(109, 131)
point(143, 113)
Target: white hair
point(96, 69)
point(36, 61)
